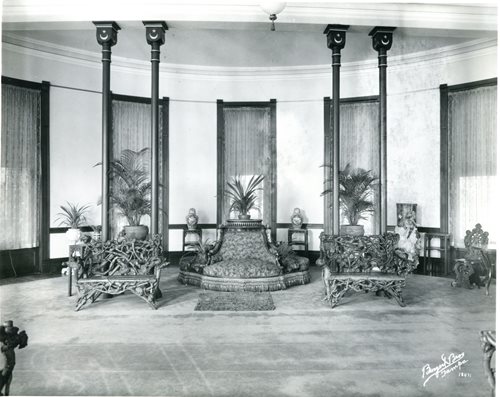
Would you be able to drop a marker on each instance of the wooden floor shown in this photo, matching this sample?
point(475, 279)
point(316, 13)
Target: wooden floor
point(367, 346)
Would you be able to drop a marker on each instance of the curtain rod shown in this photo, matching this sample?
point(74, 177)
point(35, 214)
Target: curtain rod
point(214, 101)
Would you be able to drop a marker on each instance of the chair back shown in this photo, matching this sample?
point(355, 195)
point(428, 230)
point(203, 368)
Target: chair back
point(475, 241)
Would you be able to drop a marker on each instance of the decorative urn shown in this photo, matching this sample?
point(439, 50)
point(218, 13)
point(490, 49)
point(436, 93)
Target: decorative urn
point(297, 219)
point(192, 219)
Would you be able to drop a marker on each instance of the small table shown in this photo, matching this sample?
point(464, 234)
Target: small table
point(303, 242)
point(444, 248)
point(75, 251)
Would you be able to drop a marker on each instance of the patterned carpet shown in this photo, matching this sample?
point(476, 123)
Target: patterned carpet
point(235, 301)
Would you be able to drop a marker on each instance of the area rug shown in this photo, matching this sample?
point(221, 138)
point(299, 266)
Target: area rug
point(235, 301)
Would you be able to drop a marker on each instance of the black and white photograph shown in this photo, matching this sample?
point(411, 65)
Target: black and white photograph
point(248, 198)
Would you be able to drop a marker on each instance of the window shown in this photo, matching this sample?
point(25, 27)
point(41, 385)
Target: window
point(131, 129)
point(472, 129)
point(359, 144)
point(24, 170)
point(247, 147)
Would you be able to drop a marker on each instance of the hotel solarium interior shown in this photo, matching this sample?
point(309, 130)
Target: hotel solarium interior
point(378, 116)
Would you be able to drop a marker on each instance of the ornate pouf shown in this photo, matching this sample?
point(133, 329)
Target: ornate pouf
point(243, 260)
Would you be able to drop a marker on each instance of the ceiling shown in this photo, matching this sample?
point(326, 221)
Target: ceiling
point(238, 34)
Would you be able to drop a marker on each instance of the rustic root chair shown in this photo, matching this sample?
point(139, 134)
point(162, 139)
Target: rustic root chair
point(476, 265)
point(115, 266)
point(364, 263)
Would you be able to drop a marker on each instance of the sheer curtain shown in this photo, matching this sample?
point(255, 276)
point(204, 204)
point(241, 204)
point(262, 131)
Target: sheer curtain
point(472, 127)
point(20, 167)
point(132, 130)
point(248, 152)
point(359, 146)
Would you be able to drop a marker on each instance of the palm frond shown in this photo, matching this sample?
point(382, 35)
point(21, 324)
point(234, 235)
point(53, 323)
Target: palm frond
point(243, 199)
point(355, 192)
point(131, 184)
point(72, 215)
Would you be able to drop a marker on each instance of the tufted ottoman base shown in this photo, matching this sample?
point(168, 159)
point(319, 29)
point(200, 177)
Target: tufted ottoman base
point(274, 283)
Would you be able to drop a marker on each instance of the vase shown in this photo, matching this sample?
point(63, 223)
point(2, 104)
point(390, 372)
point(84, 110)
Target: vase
point(352, 230)
point(296, 219)
point(73, 235)
point(192, 219)
point(139, 232)
point(244, 216)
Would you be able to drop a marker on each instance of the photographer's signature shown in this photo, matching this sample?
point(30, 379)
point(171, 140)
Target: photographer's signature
point(449, 364)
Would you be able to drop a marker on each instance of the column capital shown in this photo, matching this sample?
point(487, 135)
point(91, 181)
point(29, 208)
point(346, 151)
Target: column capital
point(107, 32)
point(336, 35)
point(155, 31)
point(382, 37)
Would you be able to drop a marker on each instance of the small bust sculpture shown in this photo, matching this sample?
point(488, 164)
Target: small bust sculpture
point(192, 219)
point(10, 338)
point(296, 219)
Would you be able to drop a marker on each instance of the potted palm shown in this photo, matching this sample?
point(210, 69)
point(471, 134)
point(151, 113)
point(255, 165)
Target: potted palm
point(243, 199)
point(356, 189)
point(131, 190)
point(72, 216)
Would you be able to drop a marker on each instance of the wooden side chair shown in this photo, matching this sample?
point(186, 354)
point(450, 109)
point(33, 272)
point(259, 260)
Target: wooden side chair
point(475, 267)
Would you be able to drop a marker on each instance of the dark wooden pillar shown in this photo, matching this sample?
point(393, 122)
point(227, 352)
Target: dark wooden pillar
point(155, 36)
point(107, 34)
point(382, 42)
point(44, 203)
point(444, 169)
point(336, 36)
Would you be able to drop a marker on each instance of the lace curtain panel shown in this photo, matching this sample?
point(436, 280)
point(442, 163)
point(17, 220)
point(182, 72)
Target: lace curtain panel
point(359, 146)
point(472, 126)
point(20, 170)
point(247, 142)
point(132, 130)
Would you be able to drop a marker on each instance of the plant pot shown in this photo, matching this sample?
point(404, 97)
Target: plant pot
point(73, 235)
point(352, 230)
point(245, 216)
point(136, 232)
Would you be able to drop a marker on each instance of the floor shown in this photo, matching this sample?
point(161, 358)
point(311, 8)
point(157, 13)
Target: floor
point(367, 346)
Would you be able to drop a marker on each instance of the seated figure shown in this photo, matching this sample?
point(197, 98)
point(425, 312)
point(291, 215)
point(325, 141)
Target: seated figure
point(409, 237)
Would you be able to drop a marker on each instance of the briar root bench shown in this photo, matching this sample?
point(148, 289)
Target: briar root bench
point(364, 263)
point(115, 266)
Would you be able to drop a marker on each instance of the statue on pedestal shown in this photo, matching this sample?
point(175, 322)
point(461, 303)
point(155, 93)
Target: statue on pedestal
point(9, 340)
point(409, 237)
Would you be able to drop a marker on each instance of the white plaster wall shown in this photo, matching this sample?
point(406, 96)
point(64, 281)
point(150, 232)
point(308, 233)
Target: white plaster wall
point(413, 130)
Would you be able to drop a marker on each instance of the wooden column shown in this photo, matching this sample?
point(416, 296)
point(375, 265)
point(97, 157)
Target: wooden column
point(336, 36)
point(382, 42)
point(107, 33)
point(155, 36)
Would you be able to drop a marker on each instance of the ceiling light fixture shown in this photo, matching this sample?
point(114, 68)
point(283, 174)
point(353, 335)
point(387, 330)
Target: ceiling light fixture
point(273, 8)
